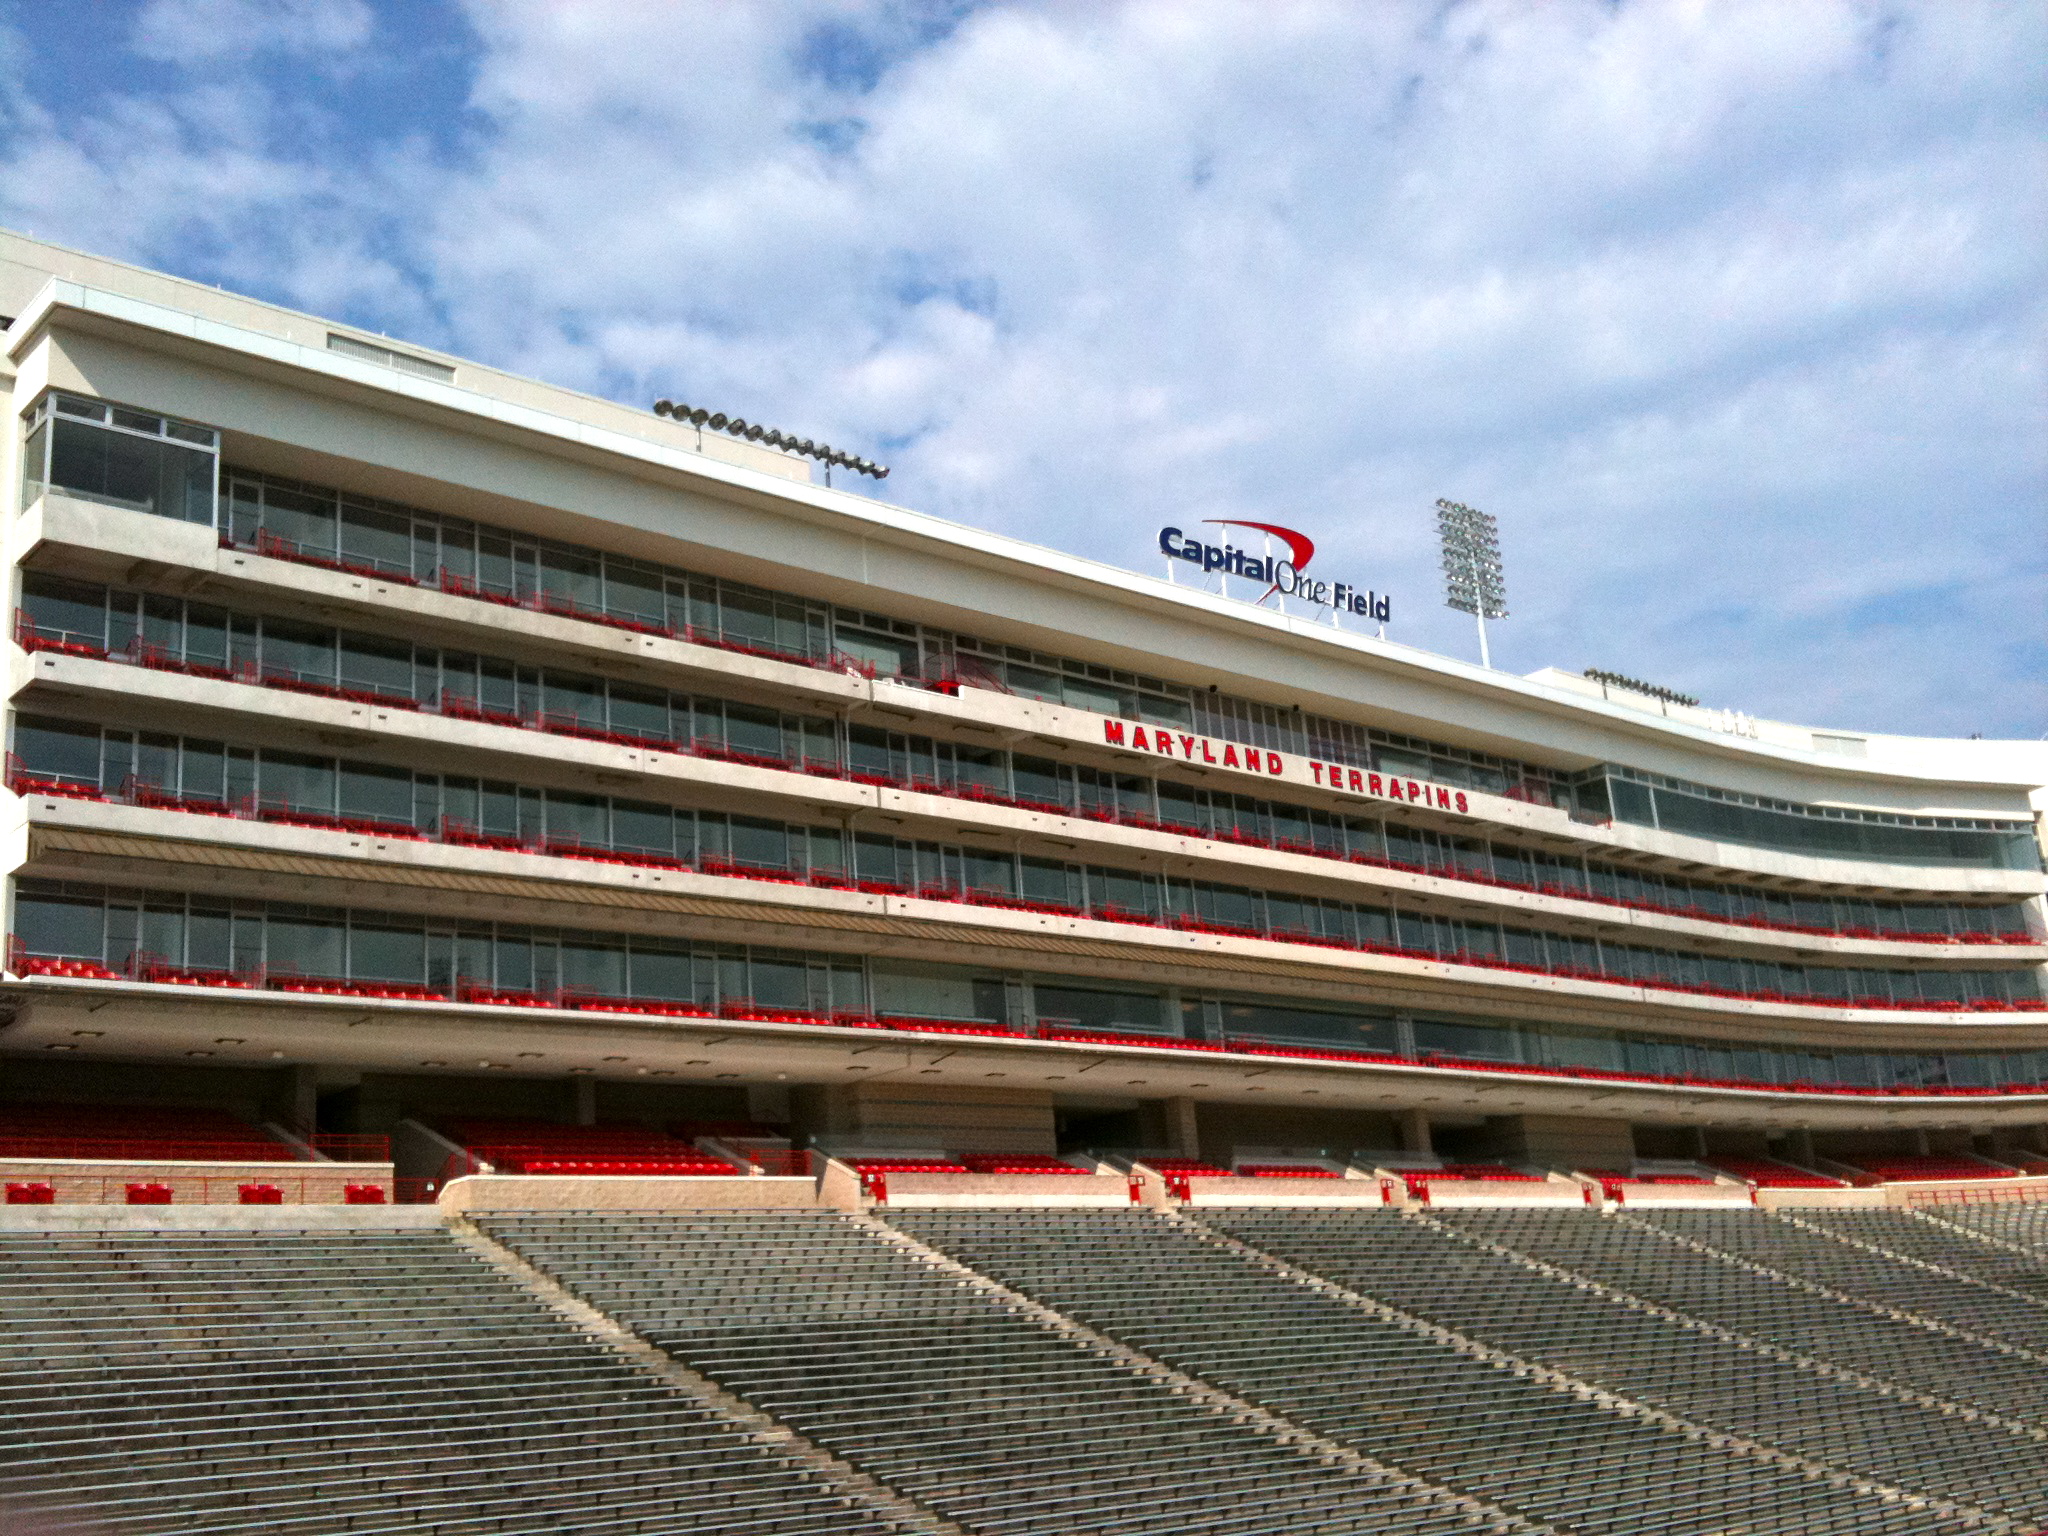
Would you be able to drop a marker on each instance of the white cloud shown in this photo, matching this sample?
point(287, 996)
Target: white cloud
point(208, 31)
point(1731, 313)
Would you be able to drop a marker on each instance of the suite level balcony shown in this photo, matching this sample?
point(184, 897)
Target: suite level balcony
point(112, 544)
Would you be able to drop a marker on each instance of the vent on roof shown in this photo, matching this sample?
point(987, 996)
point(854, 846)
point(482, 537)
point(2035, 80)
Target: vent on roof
point(404, 362)
point(1841, 746)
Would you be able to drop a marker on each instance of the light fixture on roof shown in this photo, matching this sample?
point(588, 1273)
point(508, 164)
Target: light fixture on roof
point(754, 432)
point(1473, 582)
point(1616, 680)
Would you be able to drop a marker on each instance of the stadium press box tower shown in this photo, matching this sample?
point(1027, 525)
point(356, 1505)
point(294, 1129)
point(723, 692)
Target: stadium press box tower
point(394, 740)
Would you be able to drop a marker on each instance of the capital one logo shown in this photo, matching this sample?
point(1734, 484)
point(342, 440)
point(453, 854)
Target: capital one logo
point(1284, 576)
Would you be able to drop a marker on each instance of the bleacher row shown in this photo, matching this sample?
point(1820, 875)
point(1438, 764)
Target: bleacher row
point(1013, 1371)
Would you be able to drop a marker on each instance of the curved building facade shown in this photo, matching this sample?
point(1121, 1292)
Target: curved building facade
point(392, 737)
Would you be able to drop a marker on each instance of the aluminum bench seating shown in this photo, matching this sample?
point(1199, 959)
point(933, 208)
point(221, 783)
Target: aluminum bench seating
point(287, 1382)
point(1651, 1264)
point(1835, 1262)
point(1385, 1389)
point(2025, 1224)
point(976, 1410)
point(1446, 1278)
point(1936, 1242)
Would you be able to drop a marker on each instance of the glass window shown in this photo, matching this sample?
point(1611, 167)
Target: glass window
point(1309, 1026)
point(65, 610)
point(930, 992)
point(71, 926)
point(377, 537)
point(382, 794)
point(58, 749)
point(387, 953)
point(125, 468)
point(294, 780)
point(1088, 1008)
point(1446, 1037)
point(305, 943)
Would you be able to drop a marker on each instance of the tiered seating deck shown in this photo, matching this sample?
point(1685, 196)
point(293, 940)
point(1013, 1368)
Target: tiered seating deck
point(135, 1131)
point(1541, 1452)
point(270, 1381)
point(585, 1151)
point(124, 1154)
point(1944, 1166)
point(982, 1413)
point(1435, 1269)
point(1769, 1173)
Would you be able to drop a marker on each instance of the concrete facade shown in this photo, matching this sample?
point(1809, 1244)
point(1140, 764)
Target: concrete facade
point(524, 461)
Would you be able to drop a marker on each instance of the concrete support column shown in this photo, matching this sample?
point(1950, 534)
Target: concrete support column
point(1180, 1127)
point(1801, 1144)
point(305, 1097)
point(584, 1091)
point(1920, 1143)
point(1414, 1128)
point(1699, 1141)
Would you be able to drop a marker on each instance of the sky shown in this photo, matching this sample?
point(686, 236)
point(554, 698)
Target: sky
point(1732, 314)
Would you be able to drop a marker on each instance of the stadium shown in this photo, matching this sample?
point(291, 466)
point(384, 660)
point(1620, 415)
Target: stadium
point(567, 973)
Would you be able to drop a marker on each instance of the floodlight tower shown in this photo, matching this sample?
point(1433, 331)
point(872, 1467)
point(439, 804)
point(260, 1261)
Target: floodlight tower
point(1472, 576)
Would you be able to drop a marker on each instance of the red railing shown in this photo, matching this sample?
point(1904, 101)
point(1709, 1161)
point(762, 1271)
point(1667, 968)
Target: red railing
point(458, 706)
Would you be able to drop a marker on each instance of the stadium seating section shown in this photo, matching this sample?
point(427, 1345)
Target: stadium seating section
point(134, 1131)
point(1890, 1169)
point(1769, 1173)
point(540, 1146)
point(180, 1383)
point(1043, 1372)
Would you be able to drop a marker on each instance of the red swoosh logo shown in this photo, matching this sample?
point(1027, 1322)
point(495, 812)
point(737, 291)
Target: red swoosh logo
point(1300, 546)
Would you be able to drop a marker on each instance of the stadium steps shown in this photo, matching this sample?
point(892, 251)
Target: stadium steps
point(208, 1383)
point(588, 1320)
point(1858, 1267)
point(957, 1394)
point(1809, 1320)
point(1694, 1370)
point(1446, 1409)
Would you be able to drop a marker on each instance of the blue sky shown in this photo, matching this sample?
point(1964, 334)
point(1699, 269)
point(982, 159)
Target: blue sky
point(1733, 315)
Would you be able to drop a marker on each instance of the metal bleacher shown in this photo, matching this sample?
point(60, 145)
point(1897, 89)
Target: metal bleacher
point(1653, 1265)
point(1444, 1275)
point(953, 1397)
point(272, 1381)
point(1932, 1239)
point(1182, 1295)
point(1855, 1267)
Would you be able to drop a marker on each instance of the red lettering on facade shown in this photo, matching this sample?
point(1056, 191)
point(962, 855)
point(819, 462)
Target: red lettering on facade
point(1316, 768)
point(1355, 780)
point(1229, 755)
point(1187, 745)
point(1417, 792)
point(1113, 732)
point(1273, 764)
point(1162, 743)
point(1443, 799)
point(1461, 801)
point(1373, 782)
point(1140, 740)
point(1394, 789)
point(1207, 755)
